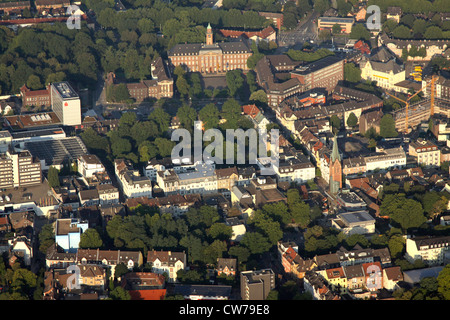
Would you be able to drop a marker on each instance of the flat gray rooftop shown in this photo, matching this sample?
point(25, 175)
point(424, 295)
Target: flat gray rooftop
point(65, 90)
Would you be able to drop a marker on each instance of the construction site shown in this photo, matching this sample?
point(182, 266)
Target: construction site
point(412, 114)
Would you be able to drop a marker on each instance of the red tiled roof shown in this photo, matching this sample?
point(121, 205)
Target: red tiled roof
point(250, 110)
point(154, 294)
point(264, 33)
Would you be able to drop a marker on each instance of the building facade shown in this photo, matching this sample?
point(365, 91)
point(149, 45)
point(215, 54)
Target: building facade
point(427, 153)
point(133, 185)
point(66, 103)
point(168, 262)
point(68, 233)
point(431, 250)
point(324, 73)
point(327, 23)
point(36, 97)
point(210, 57)
point(19, 169)
point(256, 285)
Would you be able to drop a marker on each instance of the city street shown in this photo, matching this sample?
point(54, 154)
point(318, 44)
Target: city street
point(305, 31)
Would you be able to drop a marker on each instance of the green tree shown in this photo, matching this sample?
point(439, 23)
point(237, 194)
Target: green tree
point(220, 231)
point(408, 213)
point(187, 115)
point(119, 293)
point(90, 239)
point(46, 238)
point(161, 118)
point(387, 126)
point(235, 81)
point(182, 86)
point(120, 270)
point(118, 93)
point(241, 253)
point(33, 82)
point(215, 250)
point(164, 146)
point(120, 146)
point(443, 280)
point(231, 112)
point(360, 32)
point(255, 242)
point(335, 123)
point(401, 32)
point(259, 95)
point(336, 29)
point(419, 27)
point(352, 120)
point(396, 245)
point(53, 177)
point(433, 32)
point(352, 73)
point(209, 114)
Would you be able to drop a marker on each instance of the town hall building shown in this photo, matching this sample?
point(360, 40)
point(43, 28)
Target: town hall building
point(211, 57)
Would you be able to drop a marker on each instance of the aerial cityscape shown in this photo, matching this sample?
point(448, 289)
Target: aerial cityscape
point(225, 150)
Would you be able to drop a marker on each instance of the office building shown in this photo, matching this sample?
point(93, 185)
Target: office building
point(19, 169)
point(324, 73)
point(327, 23)
point(66, 104)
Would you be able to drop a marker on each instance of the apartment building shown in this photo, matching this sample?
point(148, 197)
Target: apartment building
point(109, 258)
point(431, 250)
point(256, 285)
point(297, 170)
point(159, 86)
point(275, 90)
point(169, 262)
point(426, 152)
point(133, 185)
point(19, 169)
point(89, 164)
point(202, 178)
point(107, 194)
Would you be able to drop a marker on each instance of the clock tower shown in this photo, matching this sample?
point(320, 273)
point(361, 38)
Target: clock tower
point(209, 35)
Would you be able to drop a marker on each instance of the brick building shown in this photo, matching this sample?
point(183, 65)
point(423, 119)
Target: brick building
point(159, 86)
point(324, 73)
point(210, 57)
point(36, 97)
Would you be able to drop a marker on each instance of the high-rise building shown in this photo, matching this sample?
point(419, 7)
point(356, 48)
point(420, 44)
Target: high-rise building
point(256, 285)
point(66, 103)
point(335, 169)
point(19, 169)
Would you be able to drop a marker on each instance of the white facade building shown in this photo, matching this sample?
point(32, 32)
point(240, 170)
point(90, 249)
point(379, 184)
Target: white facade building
point(133, 185)
point(88, 164)
point(66, 103)
point(389, 159)
point(431, 250)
